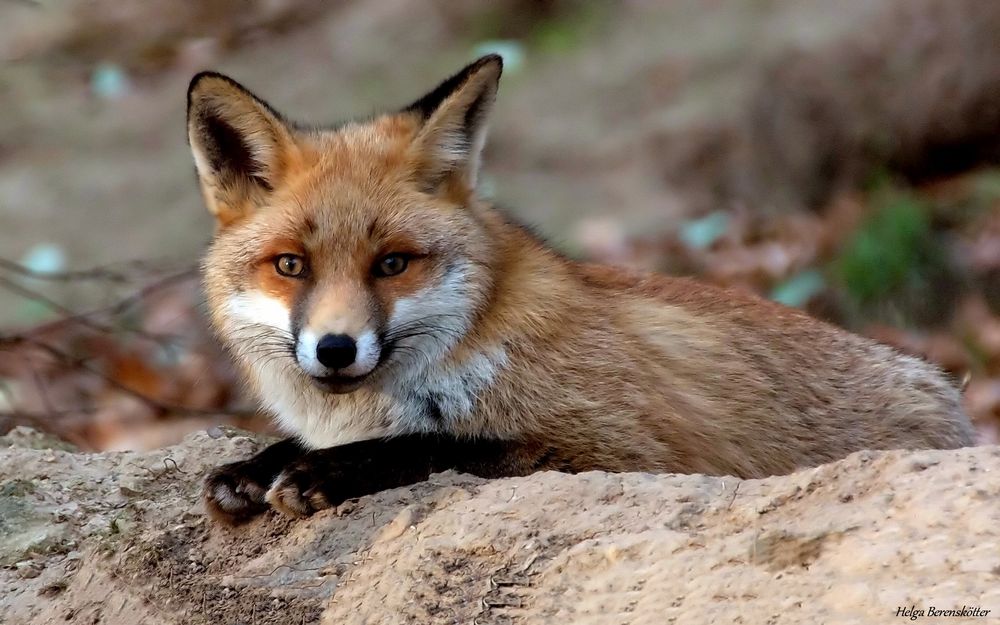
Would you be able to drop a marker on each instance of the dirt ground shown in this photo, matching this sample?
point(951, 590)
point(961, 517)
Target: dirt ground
point(122, 538)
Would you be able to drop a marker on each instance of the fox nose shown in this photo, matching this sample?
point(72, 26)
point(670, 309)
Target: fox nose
point(336, 351)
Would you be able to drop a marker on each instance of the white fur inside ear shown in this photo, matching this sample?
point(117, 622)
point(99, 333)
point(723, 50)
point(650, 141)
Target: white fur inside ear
point(453, 151)
point(237, 143)
point(453, 138)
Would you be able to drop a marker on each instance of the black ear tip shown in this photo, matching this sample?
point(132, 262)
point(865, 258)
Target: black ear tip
point(198, 79)
point(210, 76)
point(489, 59)
point(200, 76)
point(429, 102)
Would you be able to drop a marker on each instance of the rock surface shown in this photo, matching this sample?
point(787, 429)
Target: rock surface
point(121, 538)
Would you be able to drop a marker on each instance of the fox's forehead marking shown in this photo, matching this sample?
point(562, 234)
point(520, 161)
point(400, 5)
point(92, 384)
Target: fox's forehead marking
point(329, 203)
point(333, 225)
point(309, 225)
point(359, 149)
point(384, 130)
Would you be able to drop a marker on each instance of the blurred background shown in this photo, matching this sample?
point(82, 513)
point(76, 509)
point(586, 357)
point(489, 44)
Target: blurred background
point(839, 157)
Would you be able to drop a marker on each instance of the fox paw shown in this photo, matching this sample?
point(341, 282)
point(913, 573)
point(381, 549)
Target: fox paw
point(232, 496)
point(297, 492)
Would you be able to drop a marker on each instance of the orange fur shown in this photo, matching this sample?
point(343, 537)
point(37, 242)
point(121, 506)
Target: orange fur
point(603, 368)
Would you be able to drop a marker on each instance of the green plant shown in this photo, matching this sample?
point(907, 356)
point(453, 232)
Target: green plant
point(895, 267)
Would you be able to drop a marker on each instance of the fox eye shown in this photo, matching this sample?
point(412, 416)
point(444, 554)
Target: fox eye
point(390, 265)
point(290, 265)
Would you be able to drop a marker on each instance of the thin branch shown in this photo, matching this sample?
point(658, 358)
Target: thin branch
point(51, 304)
point(86, 319)
point(43, 423)
point(42, 388)
point(104, 320)
point(157, 405)
point(108, 273)
point(19, 417)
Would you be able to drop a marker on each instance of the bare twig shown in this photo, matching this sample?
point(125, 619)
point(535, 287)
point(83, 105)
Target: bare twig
point(104, 320)
point(86, 319)
point(42, 423)
point(51, 304)
point(155, 404)
point(107, 273)
point(34, 418)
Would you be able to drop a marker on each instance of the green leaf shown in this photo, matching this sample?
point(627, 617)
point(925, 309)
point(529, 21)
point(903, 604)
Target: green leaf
point(799, 289)
point(702, 233)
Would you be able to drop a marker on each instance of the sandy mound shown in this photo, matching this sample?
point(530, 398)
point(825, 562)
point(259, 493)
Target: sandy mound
point(121, 538)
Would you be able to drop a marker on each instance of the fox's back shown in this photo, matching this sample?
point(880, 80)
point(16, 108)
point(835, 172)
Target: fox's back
point(762, 388)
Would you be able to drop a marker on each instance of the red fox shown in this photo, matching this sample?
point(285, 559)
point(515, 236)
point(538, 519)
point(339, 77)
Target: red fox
point(397, 325)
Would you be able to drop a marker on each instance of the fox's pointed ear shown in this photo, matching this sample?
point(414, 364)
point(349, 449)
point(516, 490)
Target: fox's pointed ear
point(454, 115)
point(241, 146)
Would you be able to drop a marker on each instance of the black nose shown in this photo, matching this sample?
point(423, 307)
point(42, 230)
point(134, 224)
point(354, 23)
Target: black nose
point(336, 351)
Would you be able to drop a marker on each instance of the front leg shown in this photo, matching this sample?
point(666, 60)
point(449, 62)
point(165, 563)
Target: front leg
point(327, 477)
point(235, 493)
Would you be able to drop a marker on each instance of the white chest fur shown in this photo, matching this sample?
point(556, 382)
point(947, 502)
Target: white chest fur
point(437, 400)
point(412, 398)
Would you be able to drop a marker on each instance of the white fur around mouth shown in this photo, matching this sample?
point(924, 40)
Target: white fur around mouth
point(369, 352)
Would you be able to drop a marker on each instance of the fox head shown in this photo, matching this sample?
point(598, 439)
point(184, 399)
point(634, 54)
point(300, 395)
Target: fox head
point(344, 253)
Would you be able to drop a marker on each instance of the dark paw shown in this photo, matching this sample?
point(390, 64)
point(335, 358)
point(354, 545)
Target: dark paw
point(232, 496)
point(298, 491)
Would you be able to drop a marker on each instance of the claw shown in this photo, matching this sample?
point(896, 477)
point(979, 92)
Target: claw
point(231, 499)
point(286, 496)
